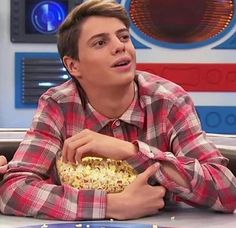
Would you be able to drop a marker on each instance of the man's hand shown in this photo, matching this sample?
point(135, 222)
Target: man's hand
point(90, 143)
point(139, 199)
point(3, 164)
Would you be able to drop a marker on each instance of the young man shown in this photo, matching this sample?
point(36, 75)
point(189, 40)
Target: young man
point(3, 164)
point(111, 110)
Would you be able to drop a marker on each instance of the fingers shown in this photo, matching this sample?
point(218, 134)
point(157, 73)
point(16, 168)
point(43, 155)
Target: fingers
point(144, 177)
point(150, 171)
point(81, 151)
point(3, 160)
point(3, 164)
point(3, 169)
point(71, 145)
point(84, 144)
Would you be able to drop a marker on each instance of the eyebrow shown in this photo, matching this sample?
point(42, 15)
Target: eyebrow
point(107, 34)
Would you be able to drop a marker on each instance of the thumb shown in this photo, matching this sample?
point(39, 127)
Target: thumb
point(150, 171)
point(3, 169)
point(3, 160)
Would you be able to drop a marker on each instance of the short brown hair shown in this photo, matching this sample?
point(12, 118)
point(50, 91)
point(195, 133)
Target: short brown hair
point(70, 29)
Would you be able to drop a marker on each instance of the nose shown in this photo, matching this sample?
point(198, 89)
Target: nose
point(117, 46)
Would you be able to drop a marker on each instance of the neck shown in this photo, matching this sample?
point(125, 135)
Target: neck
point(112, 102)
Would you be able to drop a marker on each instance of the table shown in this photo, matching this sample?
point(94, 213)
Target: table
point(178, 217)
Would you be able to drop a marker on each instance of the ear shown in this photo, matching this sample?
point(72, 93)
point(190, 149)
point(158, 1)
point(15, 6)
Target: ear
point(72, 66)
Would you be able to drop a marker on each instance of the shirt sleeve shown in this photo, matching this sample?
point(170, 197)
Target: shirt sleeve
point(30, 188)
point(212, 185)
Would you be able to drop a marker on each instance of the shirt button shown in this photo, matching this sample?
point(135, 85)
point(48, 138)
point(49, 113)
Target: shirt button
point(115, 124)
point(151, 155)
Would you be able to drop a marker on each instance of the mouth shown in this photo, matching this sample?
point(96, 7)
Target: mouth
point(121, 63)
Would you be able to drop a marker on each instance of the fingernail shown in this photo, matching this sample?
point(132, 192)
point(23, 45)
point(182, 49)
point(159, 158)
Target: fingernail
point(157, 165)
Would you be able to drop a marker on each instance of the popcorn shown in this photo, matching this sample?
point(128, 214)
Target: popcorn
point(97, 173)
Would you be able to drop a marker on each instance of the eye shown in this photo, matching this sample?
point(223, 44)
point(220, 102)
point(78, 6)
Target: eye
point(99, 43)
point(125, 37)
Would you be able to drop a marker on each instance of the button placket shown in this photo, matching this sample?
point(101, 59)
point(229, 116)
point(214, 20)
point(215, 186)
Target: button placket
point(115, 124)
point(117, 129)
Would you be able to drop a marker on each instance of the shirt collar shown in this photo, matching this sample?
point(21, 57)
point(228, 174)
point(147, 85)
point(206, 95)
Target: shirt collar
point(134, 115)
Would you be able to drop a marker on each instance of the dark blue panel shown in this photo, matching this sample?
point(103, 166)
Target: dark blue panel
point(217, 119)
point(45, 16)
point(138, 45)
point(230, 43)
point(19, 57)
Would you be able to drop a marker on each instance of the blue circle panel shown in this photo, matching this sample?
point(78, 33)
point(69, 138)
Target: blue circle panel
point(46, 16)
point(213, 119)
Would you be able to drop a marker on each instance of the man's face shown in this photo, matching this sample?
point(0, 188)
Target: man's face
point(106, 54)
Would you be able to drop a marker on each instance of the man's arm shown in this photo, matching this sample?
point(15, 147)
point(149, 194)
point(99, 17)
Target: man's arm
point(31, 178)
point(203, 178)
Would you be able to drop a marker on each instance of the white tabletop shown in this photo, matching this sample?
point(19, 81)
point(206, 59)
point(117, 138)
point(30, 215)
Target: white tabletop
point(180, 217)
point(175, 218)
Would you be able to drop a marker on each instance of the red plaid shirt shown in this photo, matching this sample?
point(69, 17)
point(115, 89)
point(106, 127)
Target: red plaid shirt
point(162, 122)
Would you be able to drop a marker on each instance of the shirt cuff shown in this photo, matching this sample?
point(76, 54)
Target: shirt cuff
point(148, 155)
point(145, 156)
point(91, 204)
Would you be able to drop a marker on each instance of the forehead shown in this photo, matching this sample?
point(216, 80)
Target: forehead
point(97, 25)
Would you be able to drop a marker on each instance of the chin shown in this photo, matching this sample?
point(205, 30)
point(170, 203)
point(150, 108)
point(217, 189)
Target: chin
point(129, 77)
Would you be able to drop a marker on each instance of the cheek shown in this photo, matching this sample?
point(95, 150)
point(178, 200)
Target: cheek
point(92, 67)
point(91, 59)
point(131, 50)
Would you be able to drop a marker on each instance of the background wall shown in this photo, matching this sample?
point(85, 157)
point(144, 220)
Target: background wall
point(9, 115)
point(12, 117)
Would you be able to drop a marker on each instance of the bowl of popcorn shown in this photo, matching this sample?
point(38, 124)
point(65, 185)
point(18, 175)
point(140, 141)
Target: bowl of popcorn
point(109, 175)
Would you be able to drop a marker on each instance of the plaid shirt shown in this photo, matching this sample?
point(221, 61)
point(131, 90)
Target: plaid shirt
point(161, 121)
